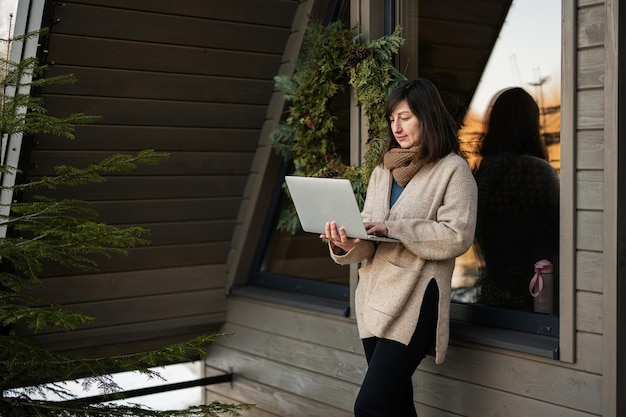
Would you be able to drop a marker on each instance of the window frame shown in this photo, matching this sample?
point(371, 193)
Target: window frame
point(292, 290)
point(567, 249)
point(537, 334)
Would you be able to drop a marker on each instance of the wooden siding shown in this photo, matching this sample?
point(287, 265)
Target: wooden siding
point(295, 362)
point(193, 79)
point(613, 325)
point(454, 45)
point(288, 361)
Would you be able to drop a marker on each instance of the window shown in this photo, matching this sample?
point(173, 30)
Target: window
point(298, 263)
point(297, 268)
point(519, 207)
point(471, 52)
point(515, 230)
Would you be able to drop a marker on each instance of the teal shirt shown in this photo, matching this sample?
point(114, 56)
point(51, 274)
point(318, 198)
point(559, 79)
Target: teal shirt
point(396, 190)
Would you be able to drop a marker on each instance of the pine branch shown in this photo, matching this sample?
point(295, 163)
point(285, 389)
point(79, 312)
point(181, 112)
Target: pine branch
point(21, 359)
point(18, 309)
point(333, 58)
point(72, 176)
point(41, 408)
point(44, 231)
point(23, 365)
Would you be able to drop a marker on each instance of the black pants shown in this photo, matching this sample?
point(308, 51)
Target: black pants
point(387, 389)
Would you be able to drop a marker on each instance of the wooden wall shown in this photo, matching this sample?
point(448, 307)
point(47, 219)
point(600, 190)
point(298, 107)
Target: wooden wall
point(194, 78)
point(295, 362)
point(191, 78)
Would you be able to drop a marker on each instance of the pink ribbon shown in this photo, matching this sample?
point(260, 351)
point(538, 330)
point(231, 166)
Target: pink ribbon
point(541, 267)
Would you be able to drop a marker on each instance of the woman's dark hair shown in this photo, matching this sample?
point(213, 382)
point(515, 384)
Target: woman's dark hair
point(513, 125)
point(439, 135)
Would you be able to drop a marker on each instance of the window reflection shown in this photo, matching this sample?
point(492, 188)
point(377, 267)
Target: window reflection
point(518, 209)
point(300, 263)
point(518, 186)
point(305, 255)
point(535, 67)
point(302, 255)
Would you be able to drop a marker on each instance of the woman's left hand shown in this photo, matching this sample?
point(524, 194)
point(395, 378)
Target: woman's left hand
point(376, 228)
point(337, 237)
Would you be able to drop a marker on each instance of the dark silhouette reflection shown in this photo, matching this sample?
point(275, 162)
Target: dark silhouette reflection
point(518, 202)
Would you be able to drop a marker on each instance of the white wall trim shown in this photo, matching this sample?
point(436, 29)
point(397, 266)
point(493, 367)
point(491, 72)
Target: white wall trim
point(27, 19)
point(611, 137)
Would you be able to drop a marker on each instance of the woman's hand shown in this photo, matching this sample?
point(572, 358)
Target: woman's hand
point(376, 229)
point(337, 237)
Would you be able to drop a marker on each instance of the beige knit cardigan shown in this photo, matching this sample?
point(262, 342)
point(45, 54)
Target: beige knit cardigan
point(434, 218)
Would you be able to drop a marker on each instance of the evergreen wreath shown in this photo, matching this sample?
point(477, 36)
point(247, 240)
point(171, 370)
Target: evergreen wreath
point(333, 58)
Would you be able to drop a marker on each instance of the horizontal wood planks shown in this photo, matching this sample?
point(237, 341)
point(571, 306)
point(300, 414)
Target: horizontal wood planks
point(76, 19)
point(177, 163)
point(295, 362)
point(289, 361)
point(99, 82)
point(590, 185)
point(134, 302)
point(192, 79)
point(267, 12)
point(454, 45)
point(283, 356)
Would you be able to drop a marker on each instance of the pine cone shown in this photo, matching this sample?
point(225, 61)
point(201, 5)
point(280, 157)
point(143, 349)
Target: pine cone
point(356, 54)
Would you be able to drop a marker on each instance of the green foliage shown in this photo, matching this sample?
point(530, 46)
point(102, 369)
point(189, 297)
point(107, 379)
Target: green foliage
point(43, 409)
point(373, 78)
point(22, 360)
point(21, 112)
point(333, 59)
point(43, 231)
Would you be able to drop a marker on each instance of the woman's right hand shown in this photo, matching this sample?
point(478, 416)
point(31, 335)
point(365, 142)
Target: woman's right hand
point(337, 237)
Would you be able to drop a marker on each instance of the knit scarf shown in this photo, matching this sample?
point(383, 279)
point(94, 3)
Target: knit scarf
point(403, 163)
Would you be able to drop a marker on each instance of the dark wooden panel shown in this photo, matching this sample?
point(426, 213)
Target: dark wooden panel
point(158, 307)
point(487, 12)
point(73, 50)
point(268, 12)
point(132, 338)
point(139, 188)
point(301, 245)
point(101, 22)
point(192, 78)
point(150, 211)
point(455, 42)
point(189, 232)
point(160, 138)
point(316, 268)
point(160, 113)
point(153, 258)
point(95, 287)
point(169, 257)
point(456, 89)
point(178, 163)
point(451, 57)
point(97, 82)
point(444, 32)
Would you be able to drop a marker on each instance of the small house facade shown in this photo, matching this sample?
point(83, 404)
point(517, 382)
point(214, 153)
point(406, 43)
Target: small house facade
point(195, 79)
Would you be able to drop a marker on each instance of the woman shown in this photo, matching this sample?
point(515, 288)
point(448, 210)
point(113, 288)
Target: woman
point(518, 209)
point(422, 193)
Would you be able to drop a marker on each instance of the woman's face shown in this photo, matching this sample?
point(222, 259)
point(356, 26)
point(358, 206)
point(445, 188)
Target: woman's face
point(405, 126)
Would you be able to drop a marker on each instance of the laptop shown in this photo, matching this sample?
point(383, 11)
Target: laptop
point(322, 200)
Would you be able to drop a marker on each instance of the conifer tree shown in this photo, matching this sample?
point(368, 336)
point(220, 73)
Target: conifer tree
point(43, 230)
